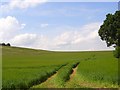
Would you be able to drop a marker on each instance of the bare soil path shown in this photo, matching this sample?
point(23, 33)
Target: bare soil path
point(74, 72)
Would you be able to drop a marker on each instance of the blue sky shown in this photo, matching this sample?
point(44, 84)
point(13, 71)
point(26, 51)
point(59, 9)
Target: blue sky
point(56, 25)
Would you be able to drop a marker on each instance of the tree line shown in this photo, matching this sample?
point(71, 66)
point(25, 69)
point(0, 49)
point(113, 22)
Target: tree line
point(3, 44)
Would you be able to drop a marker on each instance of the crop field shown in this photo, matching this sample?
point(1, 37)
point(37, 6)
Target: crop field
point(27, 68)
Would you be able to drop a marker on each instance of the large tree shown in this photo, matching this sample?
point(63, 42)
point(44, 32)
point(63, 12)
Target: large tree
point(110, 31)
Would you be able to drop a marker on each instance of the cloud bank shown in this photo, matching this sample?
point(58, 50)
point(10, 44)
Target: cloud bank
point(9, 27)
point(82, 38)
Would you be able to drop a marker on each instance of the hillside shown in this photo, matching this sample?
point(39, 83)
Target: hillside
point(24, 68)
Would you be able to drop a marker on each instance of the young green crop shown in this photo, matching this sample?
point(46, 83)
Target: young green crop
point(25, 67)
point(103, 68)
point(26, 77)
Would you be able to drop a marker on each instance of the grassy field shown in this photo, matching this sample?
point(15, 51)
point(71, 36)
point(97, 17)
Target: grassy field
point(28, 68)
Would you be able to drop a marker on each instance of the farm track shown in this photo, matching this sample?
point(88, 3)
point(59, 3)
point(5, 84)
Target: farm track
point(74, 72)
point(72, 75)
point(48, 82)
point(49, 78)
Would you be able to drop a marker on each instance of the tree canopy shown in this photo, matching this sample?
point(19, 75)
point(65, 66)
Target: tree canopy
point(110, 31)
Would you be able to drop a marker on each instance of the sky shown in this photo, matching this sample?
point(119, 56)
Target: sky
point(61, 26)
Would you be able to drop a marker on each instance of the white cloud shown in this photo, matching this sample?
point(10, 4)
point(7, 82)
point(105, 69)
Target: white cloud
point(85, 38)
point(24, 39)
point(31, 41)
point(85, 33)
point(9, 26)
point(44, 25)
point(21, 4)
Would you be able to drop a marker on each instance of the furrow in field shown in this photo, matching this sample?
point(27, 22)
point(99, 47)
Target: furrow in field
point(65, 74)
point(72, 82)
point(74, 72)
point(59, 79)
point(48, 79)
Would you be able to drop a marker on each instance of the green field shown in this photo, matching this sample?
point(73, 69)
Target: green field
point(28, 68)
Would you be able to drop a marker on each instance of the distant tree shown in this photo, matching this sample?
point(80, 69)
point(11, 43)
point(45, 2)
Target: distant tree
point(3, 44)
point(8, 44)
point(110, 32)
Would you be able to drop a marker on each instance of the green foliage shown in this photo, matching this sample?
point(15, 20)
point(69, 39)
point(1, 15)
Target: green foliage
point(110, 30)
point(117, 52)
